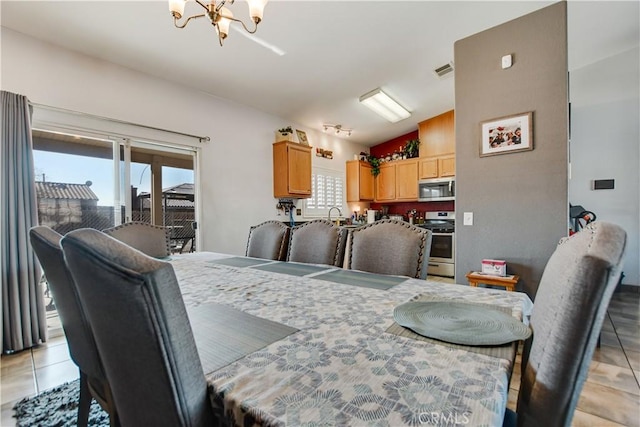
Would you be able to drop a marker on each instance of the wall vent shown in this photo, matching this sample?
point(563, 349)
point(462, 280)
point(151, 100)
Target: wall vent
point(444, 70)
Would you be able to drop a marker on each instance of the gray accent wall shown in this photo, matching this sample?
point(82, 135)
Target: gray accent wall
point(519, 200)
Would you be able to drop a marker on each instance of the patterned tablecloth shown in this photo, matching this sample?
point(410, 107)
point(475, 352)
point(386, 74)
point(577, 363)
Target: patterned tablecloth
point(341, 368)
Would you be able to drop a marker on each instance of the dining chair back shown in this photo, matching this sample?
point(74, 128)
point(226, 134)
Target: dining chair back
point(390, 247)
point(568, 312)
point(268, 240)
point(75, 324)
point(151, 239)
point(142, 331)
point(318, 242)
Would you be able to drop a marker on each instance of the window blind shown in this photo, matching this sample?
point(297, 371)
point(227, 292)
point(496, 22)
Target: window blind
point(327, 191)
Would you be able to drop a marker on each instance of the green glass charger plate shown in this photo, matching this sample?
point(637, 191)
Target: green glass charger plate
point(460, 322)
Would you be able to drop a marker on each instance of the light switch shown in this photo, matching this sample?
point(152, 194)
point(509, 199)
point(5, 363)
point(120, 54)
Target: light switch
point(506, 62)
point(468, 218)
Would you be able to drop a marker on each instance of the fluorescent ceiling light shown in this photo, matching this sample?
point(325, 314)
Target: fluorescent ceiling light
point(384, 105)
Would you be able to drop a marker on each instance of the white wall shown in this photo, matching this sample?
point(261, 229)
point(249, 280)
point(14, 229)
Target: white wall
point(605, 144)
point(236, 166)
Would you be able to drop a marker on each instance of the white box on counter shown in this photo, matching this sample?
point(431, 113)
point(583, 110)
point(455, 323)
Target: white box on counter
point(494, 267)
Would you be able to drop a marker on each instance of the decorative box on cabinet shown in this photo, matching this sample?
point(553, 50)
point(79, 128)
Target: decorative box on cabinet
point(291, 170)
point(360, 181)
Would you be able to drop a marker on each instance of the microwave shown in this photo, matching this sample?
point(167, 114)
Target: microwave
point(438, 189)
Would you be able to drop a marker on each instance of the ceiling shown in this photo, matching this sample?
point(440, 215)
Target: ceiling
point(335, 51)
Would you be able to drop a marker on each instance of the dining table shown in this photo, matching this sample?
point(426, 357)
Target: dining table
point(292, 344)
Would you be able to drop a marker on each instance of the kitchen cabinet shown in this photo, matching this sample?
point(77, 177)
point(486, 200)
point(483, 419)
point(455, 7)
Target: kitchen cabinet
point(437, 146)
point(291, 170)
point(407, 180)
point(437, 135)
point(437, 167)
point(386, 182)
point(397, 181)
point(360, 181)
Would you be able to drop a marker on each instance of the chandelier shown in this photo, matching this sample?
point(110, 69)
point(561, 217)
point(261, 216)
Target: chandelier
point(338, 128)
point(219, 15)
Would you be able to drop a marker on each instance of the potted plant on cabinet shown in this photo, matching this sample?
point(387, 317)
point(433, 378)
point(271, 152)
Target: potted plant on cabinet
point(411, 148)
point(375, 165)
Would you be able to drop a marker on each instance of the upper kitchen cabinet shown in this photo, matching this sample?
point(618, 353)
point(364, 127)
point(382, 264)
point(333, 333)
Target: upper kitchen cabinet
point(291, 170)
point(437, 135)
point(437, 146)
point(386, 182)
point(407, 180)
point(397, 181)
point(437, 167)
point(360, 182)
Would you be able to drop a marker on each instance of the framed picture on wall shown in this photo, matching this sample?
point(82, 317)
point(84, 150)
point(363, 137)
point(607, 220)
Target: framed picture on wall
point(302, 137)
point(507, 134)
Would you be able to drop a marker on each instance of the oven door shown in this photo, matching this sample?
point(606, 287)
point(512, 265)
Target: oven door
point(442, 248)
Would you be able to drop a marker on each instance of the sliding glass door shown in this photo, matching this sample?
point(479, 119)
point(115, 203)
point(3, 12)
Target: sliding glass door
point(98, 183)
point(74, 181)
point(93, 181)
point(162, 190)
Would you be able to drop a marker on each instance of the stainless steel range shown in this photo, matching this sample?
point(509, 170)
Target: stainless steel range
point(442, 257)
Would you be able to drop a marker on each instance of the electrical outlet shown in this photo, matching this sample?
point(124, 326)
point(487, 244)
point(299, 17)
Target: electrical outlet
point(298, 212)
point(468, 218)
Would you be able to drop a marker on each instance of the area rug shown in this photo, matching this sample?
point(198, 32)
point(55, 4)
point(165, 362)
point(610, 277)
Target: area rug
point(57, 407)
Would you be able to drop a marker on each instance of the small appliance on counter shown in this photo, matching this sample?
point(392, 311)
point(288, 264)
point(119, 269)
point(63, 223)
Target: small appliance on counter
point(371, 216)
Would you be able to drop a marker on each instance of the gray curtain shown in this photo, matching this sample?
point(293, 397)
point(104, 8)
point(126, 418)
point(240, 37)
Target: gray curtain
point(24, 321)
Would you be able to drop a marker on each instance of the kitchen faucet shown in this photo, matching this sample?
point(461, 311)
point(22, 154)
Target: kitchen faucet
point(339, 214)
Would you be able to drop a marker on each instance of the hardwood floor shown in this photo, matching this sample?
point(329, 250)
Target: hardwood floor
point(610, 397)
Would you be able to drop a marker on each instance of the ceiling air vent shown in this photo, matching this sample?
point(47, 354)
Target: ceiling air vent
point(444, 70)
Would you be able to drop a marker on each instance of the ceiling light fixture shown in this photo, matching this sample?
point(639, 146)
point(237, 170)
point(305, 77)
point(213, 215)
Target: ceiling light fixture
point(338, 128)
point(219, 15)
point(384, 105)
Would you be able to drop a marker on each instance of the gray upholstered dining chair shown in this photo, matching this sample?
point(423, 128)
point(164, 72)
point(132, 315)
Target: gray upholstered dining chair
point(142, 331)
point(390, 247)
point(568, 312)
point(318, 242)
point(82, 346)
point(153, 240)
point(268, 240)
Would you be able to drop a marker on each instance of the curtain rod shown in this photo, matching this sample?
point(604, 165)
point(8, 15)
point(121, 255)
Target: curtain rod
point(48, 107)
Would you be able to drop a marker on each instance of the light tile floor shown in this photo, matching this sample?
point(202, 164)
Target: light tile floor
point(610, 397)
